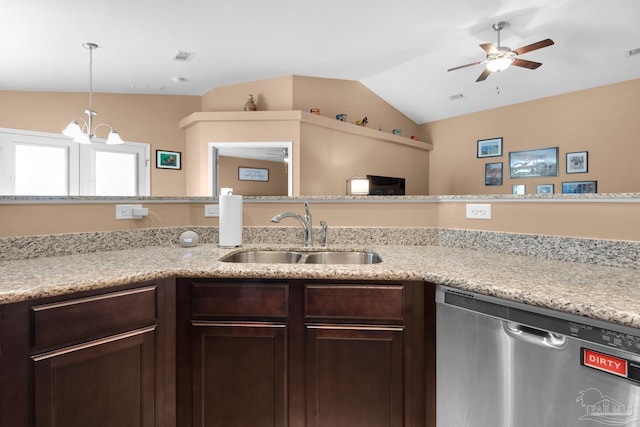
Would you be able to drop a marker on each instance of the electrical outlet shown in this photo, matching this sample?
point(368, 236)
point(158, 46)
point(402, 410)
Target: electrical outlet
point(211, 210)
point(126, 211)
point(478, 211)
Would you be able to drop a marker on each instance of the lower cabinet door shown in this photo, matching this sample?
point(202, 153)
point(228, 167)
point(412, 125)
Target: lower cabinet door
point(354, 376)
point(239, 374)
point(103, 383)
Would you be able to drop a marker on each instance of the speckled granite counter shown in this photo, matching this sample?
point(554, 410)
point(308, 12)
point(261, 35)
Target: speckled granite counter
point(601, 292)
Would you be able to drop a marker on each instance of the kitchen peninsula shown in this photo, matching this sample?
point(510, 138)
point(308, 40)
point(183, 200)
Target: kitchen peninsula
point(38, 294)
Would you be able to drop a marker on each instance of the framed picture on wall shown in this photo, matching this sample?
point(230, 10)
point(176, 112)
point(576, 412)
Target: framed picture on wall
point(253, 174)
point(518, 189)
point(493, 174)
point(490, 147)
point(533, 163)
point(544, 189)
point(167, 159)
point(579, 187)
point(577, 162)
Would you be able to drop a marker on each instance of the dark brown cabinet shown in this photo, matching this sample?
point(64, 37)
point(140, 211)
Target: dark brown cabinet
point(108, 382)
point(232, 360)
point(225, 352)
point(295, 353)
point(97, 358)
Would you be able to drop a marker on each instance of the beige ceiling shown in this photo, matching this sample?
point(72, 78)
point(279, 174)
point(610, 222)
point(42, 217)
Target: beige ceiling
point(400, 49)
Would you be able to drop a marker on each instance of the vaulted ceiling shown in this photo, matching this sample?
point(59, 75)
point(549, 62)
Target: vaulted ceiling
point(399, 49)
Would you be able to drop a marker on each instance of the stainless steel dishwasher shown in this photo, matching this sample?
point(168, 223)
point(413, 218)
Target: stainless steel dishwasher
point(505, 364)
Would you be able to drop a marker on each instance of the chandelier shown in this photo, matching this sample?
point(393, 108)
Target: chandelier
point(82, 131)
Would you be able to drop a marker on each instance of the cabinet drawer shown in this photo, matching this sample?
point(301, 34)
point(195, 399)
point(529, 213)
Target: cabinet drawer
point(71, 321)
point(240, 299)
point(352, 302)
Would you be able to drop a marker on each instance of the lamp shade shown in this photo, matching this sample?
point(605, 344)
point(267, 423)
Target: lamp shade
point(114, 138)
point(72, 130)
point(358, 185)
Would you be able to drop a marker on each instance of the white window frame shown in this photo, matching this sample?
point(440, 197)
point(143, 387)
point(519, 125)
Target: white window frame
point(88, 165)
point(81, 160)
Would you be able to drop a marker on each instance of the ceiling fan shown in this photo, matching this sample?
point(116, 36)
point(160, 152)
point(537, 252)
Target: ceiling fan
point(499, 58)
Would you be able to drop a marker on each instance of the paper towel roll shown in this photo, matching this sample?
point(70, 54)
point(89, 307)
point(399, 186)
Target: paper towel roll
point(230, 229)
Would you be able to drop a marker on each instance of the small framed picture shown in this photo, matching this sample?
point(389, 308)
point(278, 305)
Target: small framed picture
point(490, 147)
point(518, 189)
point(577, 162)
point(544, 189)
point(167, 159)
point(253, 174)
point(579, 187)
point(493, 174)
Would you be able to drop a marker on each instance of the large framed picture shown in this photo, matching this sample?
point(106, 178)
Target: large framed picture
point(167, 159)
point(579, 187)
point(490, 147)
point(533, 163)
point(493, 174)
point(577, 162)
point(253, 174)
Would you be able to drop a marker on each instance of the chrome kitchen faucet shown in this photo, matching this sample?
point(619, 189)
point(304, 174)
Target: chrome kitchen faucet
point(305, 221)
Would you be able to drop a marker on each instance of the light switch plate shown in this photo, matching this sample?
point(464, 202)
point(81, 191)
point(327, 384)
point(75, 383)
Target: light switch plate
point(211, 211)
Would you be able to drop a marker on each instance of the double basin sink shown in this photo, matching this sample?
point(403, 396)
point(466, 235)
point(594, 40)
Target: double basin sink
point(303, 257)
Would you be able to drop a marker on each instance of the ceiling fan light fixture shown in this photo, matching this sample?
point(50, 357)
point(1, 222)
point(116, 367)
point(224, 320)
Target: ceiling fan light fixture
point(499, 64)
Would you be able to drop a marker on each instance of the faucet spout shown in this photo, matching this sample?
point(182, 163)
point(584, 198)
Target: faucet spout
point(305, 221)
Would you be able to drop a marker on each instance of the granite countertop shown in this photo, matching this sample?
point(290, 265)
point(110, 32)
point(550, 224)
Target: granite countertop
point(600, 292)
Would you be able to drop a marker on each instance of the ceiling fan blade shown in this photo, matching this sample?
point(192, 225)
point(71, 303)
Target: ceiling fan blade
point(489, 48)
point(483, 76)
point(463, 66)
point(534, 46)
point(532, 65)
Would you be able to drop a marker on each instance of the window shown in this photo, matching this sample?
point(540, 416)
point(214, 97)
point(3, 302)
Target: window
point(45, 164)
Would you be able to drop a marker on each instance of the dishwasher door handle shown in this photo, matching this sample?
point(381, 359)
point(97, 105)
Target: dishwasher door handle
point(534, 336)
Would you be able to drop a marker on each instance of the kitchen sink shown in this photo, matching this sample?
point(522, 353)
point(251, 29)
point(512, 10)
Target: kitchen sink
point(264, 257)
point(304, 257)
point(343, 257)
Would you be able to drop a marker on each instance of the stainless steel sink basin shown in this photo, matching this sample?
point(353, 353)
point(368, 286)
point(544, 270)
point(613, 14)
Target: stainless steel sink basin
point(343, 257)
point(265, 257)
point(311, 257)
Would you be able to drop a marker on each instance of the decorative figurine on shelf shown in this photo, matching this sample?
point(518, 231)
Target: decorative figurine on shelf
point(250, 105)
point(362, 122)
point(415, 138)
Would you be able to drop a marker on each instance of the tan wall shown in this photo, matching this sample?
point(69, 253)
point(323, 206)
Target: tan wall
point(328, 158)
point(602, 220)
point(277, 185)
point(201, 134)
point(603, 121)
point(151, 119)
point(269, 94)
point(334, 96)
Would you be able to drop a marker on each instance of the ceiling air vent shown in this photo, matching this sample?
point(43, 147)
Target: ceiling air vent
point(633, 52)
point(456, 96)
point(183, 55)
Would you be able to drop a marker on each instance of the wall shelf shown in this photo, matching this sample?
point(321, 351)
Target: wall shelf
point(302, 117)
